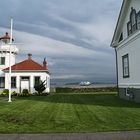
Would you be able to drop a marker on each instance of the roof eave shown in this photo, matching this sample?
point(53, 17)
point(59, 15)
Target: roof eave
point(113, 43)
point(27, 71)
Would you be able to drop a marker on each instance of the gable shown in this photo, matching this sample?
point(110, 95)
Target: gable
point(121, 31)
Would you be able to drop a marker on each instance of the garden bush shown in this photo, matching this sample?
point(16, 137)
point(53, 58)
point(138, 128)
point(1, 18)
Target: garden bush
point(14, 93)
point(85, 89)
point(40, 94)
point(63, 90)
point(25, 92)
point(6, 91)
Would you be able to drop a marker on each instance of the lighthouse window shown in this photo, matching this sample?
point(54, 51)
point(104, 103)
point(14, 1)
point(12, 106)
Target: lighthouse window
point(2, 60)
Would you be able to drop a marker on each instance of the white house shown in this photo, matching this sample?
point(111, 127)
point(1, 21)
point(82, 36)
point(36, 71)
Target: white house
point(126, 42)
point(24, 74)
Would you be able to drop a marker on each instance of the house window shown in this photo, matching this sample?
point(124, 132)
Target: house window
point(133, 20)
point(2, 82)
point(37, 80)
point(125, 62)
point(121, 37)
point(2, 60)
point(13, 82)
point(138, 20)
point(132, 24)
point(129, 29)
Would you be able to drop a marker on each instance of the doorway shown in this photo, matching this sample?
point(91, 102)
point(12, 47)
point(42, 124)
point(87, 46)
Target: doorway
point(24, 83)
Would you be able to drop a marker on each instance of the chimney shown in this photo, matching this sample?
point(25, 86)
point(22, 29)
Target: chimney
point(29, 56)
point(45, 63)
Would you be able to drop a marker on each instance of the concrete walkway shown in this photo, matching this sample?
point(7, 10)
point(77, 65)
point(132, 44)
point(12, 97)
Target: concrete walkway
point(128, 135)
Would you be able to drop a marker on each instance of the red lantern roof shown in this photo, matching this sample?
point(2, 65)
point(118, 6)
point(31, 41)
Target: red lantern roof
point(6, 37)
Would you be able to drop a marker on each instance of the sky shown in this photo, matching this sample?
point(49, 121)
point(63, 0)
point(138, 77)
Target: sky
point(73, 35)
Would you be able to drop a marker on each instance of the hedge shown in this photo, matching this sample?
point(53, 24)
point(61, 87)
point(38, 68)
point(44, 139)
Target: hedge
point(85, 89)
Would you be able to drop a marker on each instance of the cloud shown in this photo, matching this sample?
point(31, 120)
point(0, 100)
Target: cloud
point(38, 44)
point(70, 76)
point(73, 35)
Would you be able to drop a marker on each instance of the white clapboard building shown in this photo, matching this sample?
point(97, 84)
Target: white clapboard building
point(25, 74)
point(126, 42)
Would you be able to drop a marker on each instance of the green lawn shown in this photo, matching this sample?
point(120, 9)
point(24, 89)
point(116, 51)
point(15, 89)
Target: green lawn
point(68, 113)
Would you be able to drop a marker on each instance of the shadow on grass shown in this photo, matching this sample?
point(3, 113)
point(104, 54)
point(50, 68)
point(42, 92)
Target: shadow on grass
point(109, 100)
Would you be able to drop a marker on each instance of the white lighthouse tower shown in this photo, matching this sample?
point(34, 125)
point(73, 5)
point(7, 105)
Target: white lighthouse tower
point(7, 59)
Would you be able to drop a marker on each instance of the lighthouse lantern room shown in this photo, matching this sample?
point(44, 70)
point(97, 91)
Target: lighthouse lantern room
point(5, 47)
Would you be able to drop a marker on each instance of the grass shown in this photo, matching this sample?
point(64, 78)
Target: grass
point(89, 112)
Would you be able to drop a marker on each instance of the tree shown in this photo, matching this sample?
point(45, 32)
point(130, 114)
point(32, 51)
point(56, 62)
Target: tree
point(40, 87)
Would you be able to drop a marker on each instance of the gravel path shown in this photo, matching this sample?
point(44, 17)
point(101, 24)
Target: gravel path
point(127, 135)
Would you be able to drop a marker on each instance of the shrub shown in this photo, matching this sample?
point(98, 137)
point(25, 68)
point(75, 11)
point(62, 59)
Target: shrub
point(2, 94)
point(6, 91)
point(25, 92)
point(64, 90)
point(85, 89)
point(14, 93)
point(44, 94)
point(40, 87)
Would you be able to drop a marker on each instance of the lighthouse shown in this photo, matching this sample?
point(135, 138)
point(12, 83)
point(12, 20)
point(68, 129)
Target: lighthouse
point(23, 75)
point(5, 47)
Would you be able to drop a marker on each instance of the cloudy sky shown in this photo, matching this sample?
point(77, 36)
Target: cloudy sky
point(73, 35)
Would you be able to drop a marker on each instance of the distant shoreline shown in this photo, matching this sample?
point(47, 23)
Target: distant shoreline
point(90, 86)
